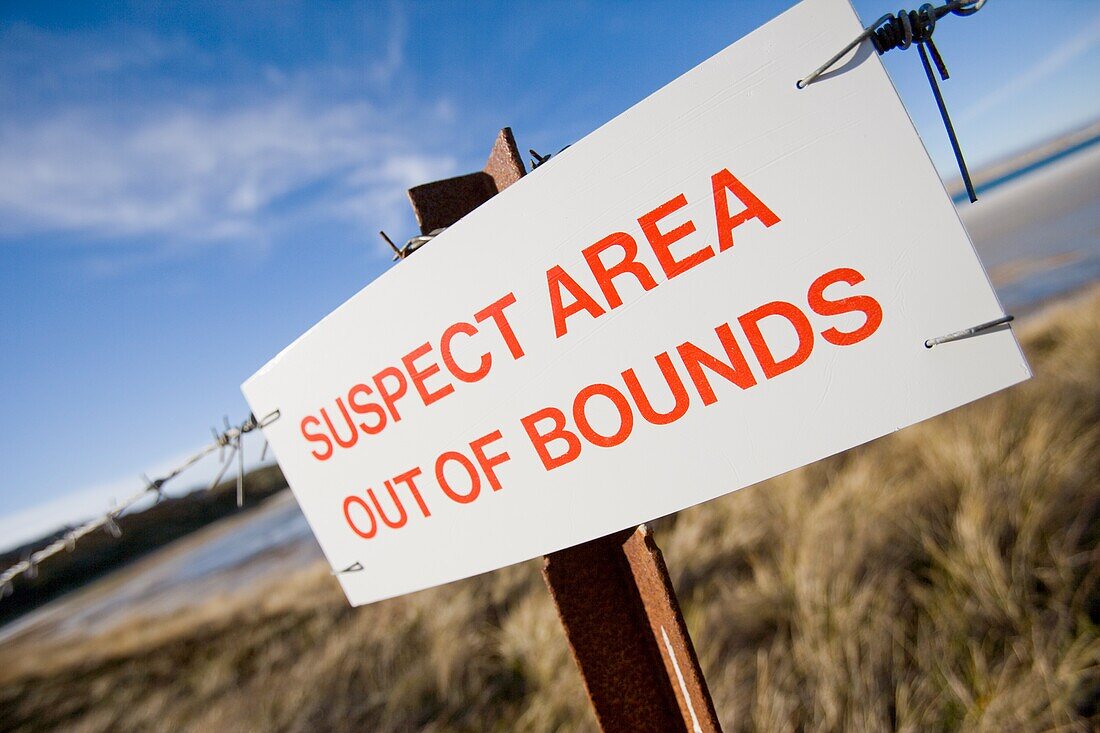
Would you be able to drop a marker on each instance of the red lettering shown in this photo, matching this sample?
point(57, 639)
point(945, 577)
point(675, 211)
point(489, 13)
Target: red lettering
point(475, 479)
point(865, 304)
point(628, 265)
point(750, 323)
point(723, 181)
point(556, 278)
point(409, 479)
point(396, 523)
point(736, 371)
point(449, 360)
point(496, 313)
point(557, 431)
point(420, 376)
point(355, 500)
point(489, 463)
point(347, 418)
point(390, 398)
point(316, 438)
point(626, 417)
point(675, 386)
point(662, 242)
point(368, 408)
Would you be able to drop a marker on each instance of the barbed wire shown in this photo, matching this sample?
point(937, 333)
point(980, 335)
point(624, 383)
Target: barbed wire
point(228, 443)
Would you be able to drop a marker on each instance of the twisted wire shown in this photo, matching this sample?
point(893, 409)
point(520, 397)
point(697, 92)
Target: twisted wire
point(230, 438)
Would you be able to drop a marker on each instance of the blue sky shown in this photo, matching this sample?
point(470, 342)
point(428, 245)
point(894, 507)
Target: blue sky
point(186, 188)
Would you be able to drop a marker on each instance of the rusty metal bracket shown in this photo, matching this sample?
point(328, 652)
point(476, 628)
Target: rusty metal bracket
point(613, 594)
point(439, 204)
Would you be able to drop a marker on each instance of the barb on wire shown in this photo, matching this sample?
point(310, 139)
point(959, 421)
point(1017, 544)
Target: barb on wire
point(111, 525)
point(413, 244)
point(901, 31)
point(230, 438)
point(240, 473)
point(538, 160)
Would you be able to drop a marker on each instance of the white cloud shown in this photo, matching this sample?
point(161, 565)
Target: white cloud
point(176, 164)
point(198, 175)
point(39, 56)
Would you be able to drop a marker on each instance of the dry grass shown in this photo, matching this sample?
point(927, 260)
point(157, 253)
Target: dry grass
point(944, 578)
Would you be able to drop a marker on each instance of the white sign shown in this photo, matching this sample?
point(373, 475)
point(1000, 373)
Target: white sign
point(732, 279)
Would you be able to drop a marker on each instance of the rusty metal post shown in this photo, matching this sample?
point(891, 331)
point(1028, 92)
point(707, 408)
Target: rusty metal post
point(627, 634)
point(613, 594)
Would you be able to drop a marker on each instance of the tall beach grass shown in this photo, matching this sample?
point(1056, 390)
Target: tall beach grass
point(946, 577)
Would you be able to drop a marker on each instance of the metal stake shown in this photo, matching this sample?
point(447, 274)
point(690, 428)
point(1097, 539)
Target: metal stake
point(613, 594)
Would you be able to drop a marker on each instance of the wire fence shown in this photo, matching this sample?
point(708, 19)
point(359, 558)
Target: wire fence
point(228, 442)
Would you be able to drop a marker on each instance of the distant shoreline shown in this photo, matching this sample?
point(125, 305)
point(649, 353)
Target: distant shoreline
point(1019, 164)
point(143, 532)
